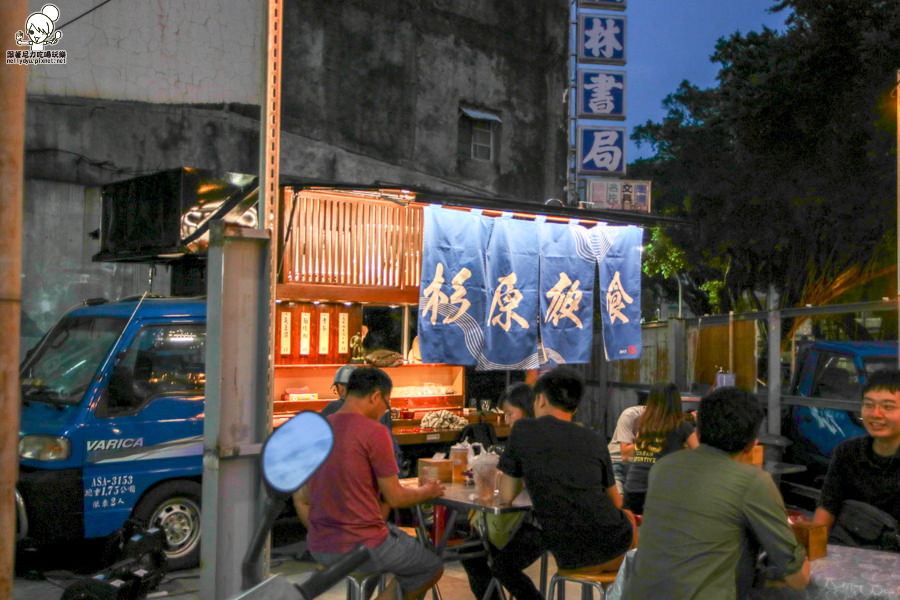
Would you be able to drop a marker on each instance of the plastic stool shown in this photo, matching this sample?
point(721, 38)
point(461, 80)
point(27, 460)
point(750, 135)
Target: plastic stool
point(588, 581)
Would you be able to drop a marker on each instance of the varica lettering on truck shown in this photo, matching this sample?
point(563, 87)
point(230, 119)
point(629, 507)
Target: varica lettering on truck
point(112, 424)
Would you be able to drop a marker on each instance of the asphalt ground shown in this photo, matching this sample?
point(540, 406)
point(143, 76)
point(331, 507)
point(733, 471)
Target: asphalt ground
point(44, 574)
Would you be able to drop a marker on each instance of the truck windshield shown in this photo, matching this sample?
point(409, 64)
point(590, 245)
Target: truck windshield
point(63, 366)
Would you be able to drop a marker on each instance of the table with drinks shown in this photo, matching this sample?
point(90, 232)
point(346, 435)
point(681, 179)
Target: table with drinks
point(471, 482)
point(458, 500)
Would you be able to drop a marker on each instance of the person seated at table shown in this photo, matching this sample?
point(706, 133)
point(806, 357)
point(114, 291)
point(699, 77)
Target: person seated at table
point(568, 473)
point(621, 446)
point(514, 540)
point(340, 504)
point(341, 377)
point(706, 512)
point(662, 429)
point(867, 468)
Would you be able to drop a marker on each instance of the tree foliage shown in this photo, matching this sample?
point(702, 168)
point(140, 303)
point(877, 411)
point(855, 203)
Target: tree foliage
point(787, 168)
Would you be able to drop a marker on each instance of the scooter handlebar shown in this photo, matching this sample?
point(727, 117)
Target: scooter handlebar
point(326, 578)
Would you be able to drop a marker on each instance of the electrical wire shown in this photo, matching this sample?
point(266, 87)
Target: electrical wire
point(87, 12)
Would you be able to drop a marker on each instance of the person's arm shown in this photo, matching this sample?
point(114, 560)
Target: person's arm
point(799, 579)
point(615, 496)
point(509, 488)
point(398, 496)
point(626, 431)
point(764, 511)
point(692, 441)
point(836, 487)
point(302, 505)
point(823, 517)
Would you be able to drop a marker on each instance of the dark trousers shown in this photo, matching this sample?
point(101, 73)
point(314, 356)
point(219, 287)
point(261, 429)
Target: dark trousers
point(634, 501)
point(525, 547)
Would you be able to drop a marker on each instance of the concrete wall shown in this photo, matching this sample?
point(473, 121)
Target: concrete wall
point(57, 246)
point(388, 78)
point(371, 95)
point(167, 51)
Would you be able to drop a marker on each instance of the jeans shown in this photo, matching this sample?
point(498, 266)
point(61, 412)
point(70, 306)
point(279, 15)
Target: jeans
point(620, 472)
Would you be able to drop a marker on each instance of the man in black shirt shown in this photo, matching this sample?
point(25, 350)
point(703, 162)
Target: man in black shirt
point(867, 468)
point(568, 473)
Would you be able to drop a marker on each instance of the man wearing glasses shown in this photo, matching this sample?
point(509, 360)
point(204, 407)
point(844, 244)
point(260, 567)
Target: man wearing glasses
point(867, 468)
point(341, 379)
point(344, 503)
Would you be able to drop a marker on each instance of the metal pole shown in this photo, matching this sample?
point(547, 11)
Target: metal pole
point(236, 413)
point(675, 332)
point(12, 152)
point(572, 185)
point(774, 387)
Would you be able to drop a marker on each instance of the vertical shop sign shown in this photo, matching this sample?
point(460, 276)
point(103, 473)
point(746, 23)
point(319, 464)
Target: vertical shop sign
point(601, 38)
point(343, 333)
point(601, 94)
point(601, 150)
point(452, 296)
point(323, 332)
point(285, 332)
point(304, 333)
point(567, 265)
point(511, 327)
point(618, 252)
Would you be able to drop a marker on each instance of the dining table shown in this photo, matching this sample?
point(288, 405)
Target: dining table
point(457, 501)
point(845, 573)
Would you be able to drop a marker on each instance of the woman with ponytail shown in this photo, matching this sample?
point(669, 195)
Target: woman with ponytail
point(662, 429)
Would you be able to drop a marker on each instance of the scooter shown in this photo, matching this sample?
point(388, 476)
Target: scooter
point(289, 457)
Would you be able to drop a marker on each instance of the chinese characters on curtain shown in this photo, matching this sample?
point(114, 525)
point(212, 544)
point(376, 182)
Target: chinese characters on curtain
point(514, 304)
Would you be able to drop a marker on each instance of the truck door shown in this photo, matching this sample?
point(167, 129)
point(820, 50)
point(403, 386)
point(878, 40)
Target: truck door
point(147, 427)
point(834, 375)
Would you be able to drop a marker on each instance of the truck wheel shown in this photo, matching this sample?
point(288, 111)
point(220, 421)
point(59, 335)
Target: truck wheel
point(174, 507)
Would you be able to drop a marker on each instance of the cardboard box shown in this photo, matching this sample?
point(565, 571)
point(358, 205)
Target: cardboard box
point(813, 537)
point(442, 465)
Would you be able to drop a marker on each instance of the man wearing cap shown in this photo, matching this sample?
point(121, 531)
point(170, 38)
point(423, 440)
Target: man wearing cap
point(341, 377)
point(343, 503)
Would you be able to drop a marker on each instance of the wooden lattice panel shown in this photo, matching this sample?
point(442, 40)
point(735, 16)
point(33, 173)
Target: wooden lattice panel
point(350, 239)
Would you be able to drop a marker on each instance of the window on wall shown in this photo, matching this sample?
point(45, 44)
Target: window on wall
point(478, 134)
point(482, 142)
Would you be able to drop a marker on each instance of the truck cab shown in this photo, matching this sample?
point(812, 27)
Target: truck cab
point(112, 424)
point(830, 370)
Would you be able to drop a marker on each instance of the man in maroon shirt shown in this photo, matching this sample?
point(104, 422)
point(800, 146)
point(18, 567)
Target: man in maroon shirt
point(345, 502)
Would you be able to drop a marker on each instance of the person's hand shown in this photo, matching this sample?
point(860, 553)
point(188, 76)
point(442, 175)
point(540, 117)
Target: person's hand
point(433, 488)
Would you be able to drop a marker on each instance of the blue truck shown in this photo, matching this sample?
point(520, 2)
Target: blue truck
point(112, 424)
point(828, 370)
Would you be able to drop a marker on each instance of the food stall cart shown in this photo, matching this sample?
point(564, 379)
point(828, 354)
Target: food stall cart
point(346, 253)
